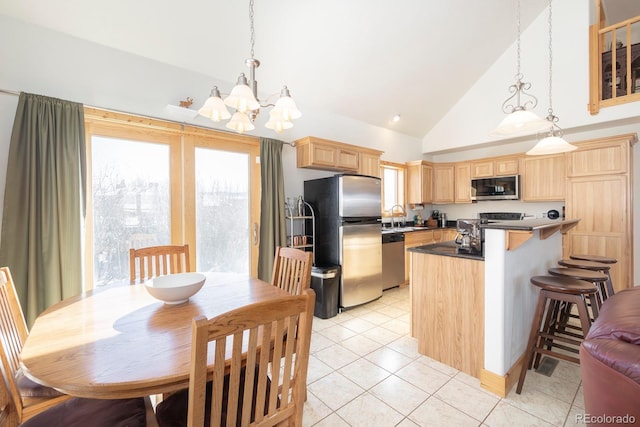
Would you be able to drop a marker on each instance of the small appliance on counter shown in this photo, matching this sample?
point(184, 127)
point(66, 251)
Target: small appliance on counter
point(469, 234)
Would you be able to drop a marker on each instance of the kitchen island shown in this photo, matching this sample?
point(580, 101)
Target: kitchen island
point(473, 311)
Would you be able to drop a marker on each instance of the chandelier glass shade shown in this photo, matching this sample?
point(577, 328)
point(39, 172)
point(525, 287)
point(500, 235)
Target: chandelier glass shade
point(244, 100)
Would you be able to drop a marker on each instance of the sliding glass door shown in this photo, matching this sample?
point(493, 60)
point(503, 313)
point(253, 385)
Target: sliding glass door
point(154, 183)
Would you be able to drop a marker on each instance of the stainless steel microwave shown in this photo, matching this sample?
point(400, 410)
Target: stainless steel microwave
point(498, 188)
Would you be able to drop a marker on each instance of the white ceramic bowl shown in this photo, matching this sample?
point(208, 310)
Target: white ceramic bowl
point(175, 288)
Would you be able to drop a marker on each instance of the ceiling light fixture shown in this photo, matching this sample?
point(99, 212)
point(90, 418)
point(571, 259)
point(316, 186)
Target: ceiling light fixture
point(553, 142)
point(396, 118)
point(519, 121)
point(244, 99)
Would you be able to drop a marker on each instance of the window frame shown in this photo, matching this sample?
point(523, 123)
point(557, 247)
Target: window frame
point(401, 171)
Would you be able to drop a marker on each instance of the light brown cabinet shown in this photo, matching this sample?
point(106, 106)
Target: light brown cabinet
point(462, 182)
point(543, 178)
point(369, 164)
point(443, 183)
point(411, 240)
point(599, 193)
point(323, 154)
point(419, 182)
point(497, 166)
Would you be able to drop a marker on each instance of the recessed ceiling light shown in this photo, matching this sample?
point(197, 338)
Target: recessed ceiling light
point(395, 118)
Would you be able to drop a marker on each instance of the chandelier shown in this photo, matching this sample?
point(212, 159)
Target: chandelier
point(553, 143)
point(520, 120)
point(244, 99)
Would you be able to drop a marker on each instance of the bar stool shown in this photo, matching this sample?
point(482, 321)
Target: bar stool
point(596, 277)
point(594, 258)
point(542, 337)
point(593, 266)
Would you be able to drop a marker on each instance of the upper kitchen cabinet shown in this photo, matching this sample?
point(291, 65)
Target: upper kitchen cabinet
point(323, 154)
point(419, 182)
point(543, 178)
point(598, 157)
point(497, 166)
point(463, 182)
point(443, 183)
point(369, 163)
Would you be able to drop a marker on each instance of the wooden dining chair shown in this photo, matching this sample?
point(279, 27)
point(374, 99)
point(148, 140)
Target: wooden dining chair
point(153, 261)
point(247, 384)
point(25, 398)
point(292, 270)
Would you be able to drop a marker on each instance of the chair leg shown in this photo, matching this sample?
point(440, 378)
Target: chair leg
point(533, 335)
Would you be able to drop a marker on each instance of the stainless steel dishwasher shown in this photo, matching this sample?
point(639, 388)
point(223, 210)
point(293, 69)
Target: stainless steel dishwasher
point(392, 259)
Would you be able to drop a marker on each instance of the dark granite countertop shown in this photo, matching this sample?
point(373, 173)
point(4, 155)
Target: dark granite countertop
point(528, 224)
point(447, 249)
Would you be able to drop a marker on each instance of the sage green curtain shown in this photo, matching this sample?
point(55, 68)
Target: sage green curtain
point(272, 215)
point(44, 202)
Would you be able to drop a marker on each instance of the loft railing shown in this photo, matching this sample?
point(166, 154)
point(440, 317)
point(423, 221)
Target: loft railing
point(614, 65)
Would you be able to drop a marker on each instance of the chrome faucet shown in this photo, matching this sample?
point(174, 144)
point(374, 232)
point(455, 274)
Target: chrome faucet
point(401, 208)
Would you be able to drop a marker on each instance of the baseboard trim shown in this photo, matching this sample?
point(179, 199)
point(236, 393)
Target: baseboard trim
point(501, 385)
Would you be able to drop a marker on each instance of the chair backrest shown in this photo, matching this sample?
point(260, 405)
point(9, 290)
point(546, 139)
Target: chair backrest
point(292, 270)
point(241, 337)
point(153, 261)
point(13, 334)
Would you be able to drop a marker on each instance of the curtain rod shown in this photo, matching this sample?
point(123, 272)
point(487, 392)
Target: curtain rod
point(10, 92)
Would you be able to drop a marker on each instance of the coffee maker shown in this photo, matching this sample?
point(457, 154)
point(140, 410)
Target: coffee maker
point(469, 234)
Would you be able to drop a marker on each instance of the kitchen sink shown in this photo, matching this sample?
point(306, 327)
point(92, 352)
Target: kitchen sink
point(398, 230)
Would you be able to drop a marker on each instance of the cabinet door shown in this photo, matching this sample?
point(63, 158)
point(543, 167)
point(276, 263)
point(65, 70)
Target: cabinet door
point(369, 165)
point(598, 159)
point(419, 177)
point(482, 169)
point(443, 184)
point(507, 166)
point(347, 159)
point(411, 240)
point(324, 155)
point(463, 183)
point(602, 205)
point(543, 178)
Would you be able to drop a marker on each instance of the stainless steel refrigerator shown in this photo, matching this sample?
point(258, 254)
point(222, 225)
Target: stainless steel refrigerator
point(348, 233)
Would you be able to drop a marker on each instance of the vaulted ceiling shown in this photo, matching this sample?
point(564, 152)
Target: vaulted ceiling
point(364, 59)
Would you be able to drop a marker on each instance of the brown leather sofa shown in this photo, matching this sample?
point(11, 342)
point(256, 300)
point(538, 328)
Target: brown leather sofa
point(610, 362)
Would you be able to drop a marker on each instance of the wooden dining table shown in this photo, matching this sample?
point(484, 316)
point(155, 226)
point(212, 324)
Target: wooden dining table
point(120, 342)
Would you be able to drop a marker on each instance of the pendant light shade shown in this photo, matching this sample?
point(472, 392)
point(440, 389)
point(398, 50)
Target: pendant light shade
point(286, 107)
point(520, 120)
point(552, 144)
point(241, 97)
point(518, 123)
point(277, 122)
point(240, 123)
point(214, 107)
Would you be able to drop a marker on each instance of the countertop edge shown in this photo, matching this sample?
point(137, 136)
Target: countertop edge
point(529, 224)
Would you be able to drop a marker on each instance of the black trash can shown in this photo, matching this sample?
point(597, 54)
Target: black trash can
point(325, 281)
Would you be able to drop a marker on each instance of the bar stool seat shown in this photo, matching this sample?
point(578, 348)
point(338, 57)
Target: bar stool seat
point(594, 258)
point(593, 266)
point(596, 277)
point(543, 336)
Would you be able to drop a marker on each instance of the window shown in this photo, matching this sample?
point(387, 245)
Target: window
point(392, 186)
point(152, 183)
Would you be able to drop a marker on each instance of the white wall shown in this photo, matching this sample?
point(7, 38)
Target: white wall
point(53, 64)
point(469, 122)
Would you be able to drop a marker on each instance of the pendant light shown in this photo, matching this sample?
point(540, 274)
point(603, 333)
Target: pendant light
point(519, 120)
point(244, 99)
point(553, 143)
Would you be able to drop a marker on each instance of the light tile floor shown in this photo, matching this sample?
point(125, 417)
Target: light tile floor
point(365, 370)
